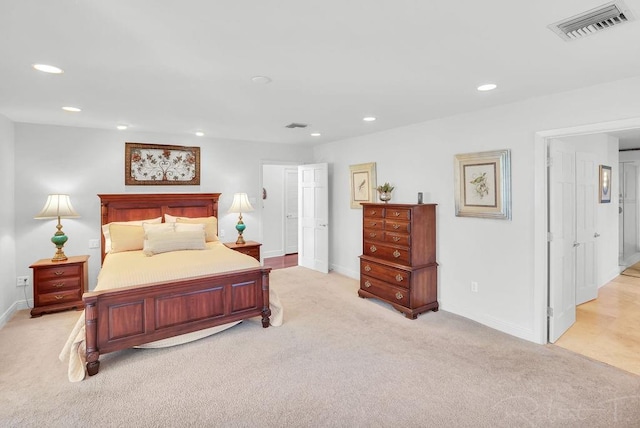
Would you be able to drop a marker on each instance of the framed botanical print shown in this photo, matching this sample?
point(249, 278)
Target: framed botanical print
point(160, 164)
point(483, 184)
point(605, 184)
point(363, 183)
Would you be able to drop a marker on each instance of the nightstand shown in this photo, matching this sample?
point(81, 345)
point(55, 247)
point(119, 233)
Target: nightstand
point(250, 248)
point(59, 285)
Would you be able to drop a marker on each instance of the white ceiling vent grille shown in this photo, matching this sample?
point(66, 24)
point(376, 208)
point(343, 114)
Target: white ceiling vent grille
point(606, 16)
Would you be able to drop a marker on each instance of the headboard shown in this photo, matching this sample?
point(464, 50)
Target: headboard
point(138, 206)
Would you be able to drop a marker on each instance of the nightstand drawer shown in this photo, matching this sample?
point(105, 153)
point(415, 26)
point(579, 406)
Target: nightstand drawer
point(54, 285)
point(250, 251)
point(54, 272)
point(62, 296)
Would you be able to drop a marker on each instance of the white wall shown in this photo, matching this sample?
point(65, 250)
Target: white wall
point(85, 162)
point(9, 294)
point(497, 254)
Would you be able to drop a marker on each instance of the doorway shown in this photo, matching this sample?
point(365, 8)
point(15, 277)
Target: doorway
point(279, 210)
point(629, 251)
point(608, 248)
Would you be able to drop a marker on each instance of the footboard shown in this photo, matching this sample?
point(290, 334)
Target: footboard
point(131, 316)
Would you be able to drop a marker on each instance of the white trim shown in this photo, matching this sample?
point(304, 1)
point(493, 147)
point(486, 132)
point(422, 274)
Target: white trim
point(16, 306)
point(541, 267)
point(344, 271)
point(495, 323)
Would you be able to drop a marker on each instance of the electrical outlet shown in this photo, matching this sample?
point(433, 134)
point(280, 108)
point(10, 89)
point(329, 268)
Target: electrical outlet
point(222, 233)
point(22, 281)
point(474, 286)
point(94, 243)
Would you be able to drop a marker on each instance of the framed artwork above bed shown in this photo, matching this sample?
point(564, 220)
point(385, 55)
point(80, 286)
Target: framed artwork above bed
point(155, 164)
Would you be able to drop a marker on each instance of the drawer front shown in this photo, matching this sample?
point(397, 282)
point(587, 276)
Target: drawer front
point(398, 213)
point(393, 254)
point(54, 285)
point(54, 272)
point(253, 252)
point(397, 226)
point(373, 223)
point(398, 238)
point(394, 276)
point(373, 212)
point(59, 297)
point(384, 290)
point(374, 234)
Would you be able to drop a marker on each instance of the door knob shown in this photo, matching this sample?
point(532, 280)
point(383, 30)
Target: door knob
point(576, 244)
point(595, 235)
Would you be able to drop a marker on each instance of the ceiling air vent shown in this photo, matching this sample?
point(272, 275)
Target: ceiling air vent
point(594, 20)
point(296, 125)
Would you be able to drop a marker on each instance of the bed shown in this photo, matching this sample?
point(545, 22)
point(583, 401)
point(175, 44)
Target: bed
point(195, 300)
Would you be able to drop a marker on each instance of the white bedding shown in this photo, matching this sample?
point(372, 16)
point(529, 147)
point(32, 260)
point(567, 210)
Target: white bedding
point(134, 268)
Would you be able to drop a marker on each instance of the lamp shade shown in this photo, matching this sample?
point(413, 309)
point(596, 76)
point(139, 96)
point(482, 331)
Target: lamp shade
point(57, 206)
point(240, 204)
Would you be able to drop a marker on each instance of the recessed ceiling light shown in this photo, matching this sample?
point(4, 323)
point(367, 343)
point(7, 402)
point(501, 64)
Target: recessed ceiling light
point(71, 109)
point(487, 87)
point(122, 127)
point(261, 79)
point(369, 119)
point(200, 133)
point(48, 68)
point(316, 134)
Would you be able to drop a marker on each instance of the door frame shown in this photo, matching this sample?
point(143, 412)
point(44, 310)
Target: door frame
point(292, 164)
point(541, 253)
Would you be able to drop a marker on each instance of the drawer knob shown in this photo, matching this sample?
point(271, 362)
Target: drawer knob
point(397, 214)
point(60, 285)
point(367, 268)
point(373, 249)
point(59, 297)
point(399, 278)
point(373, 212)
point(399, 295)
point(367, 284)
point(396, 254)
point(374, 224)
point(58, 272)
point(372, 234)
point(396, 226)
point(396, 238)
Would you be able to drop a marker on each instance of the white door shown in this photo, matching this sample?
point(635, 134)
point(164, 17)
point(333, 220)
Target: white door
point(291, 210)
point(562, 239)
point(586, 227)
point(313, 221)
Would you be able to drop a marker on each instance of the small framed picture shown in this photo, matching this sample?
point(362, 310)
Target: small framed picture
point(363, 183)
point(483, 184)
point(605, 184)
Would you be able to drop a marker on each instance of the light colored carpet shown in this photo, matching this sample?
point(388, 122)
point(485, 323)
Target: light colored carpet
point(337, 360)
point(633, 270)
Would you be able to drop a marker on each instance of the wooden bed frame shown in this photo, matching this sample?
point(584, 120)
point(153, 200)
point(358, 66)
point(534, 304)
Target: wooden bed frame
point(130, 316)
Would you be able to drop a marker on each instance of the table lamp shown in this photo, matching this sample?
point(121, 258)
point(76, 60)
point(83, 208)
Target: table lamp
point(240, 205)
point(58, 206)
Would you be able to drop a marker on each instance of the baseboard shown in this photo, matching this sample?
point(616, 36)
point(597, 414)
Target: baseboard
point(495, 323)
point(272, 253)
point(345, 271)
point(16, 306)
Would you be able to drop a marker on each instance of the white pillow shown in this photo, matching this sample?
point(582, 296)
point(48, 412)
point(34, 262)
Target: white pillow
point(160, 227)
point(189, 227)
point(107, 236)
point(162, 242)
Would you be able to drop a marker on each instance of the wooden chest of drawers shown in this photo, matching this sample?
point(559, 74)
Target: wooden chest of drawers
point(59, 285)
point(398, 264)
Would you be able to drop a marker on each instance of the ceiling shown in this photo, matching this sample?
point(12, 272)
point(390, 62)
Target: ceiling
point(182, 66)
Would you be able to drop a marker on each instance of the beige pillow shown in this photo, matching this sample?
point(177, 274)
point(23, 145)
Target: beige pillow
point(160, 227)
point(126, 237)
point(107, 235)
point(210, 223)
point(163, 242)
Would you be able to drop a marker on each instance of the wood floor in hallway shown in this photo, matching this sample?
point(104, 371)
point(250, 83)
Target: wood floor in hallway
point(607, 329)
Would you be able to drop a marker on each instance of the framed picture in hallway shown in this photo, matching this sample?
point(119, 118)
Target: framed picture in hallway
point(483, 184)
point(363, 183)
point(605, 184)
